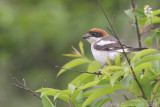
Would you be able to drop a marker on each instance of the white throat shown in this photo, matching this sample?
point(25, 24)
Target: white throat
point(93, 40)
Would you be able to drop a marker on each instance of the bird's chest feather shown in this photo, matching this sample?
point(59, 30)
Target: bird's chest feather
point(101, 56)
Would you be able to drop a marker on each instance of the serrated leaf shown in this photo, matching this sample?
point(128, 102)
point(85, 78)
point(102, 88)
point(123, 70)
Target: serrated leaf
point(98, 93)
point(135, 103)
point(114, 77)
point(47, 102)
point(118, 60)
point(141, 54)
point(101, 102)
point(156, 12)
point(148, 59)
point(81, 47)
point(72, 63)
point(143, 66)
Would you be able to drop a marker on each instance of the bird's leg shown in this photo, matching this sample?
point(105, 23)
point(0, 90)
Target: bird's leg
point(99, 73)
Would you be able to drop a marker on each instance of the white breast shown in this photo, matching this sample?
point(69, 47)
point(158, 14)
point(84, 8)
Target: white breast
point(101, 56)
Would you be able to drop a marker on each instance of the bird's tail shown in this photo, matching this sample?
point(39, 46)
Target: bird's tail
point(135, 49)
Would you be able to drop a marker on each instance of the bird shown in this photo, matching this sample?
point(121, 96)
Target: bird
point(103, 45)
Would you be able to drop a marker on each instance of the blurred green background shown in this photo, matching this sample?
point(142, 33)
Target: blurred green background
point(35, 33)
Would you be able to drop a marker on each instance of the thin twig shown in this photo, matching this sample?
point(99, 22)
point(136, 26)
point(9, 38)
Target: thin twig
point(114, 17)
point(95, 73)
point(116, 36)
point(136, 23)
point(23, 86)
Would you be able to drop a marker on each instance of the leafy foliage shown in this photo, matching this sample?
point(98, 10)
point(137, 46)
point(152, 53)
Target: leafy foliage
point(85, 89)
point(88, 90)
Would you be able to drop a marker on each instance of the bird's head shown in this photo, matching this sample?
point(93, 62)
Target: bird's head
point(95, 35)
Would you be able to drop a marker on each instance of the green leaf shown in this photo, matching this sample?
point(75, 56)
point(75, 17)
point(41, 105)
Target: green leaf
point(144, 83)
point(79, 99)
point(113, 68)
point(81, 47)
point(141, 54)
point(148, 41)
point(129, 13)
point(47, 102)
point(135, 103)
point(153, 20)
point(126, 81)
point(62, 95)
point(73, 63)
point(72, 55)
point(82, 79)
point(71, 88)
point(74, 95)
point(89, 92)
point(43, 89)
point(156, 87)
point(157, 96)
point(156, 12)
point(98, 93)
point(118, 60)
point(148, 59)
point(143, 66)
point(136, 89)
point(85, 78)
point(90, 84)
point(51, 92)
point(48, 91)
point(114, 77)
point(108, 60)
point(104, 82)
point(140, 13)
point(158, 103)
point(156, 64)
point(142, 21)
point(101, 102)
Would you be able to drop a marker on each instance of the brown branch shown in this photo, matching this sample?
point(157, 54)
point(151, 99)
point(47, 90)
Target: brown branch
point(95, 73)
point(116, 36)
point(136, 23)
point(23, 86)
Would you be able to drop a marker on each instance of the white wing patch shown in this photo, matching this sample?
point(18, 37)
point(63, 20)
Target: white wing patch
point(102, 42)
point(120, 50)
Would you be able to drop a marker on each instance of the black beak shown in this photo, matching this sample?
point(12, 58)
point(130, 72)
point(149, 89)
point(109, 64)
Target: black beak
point(85, 36)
